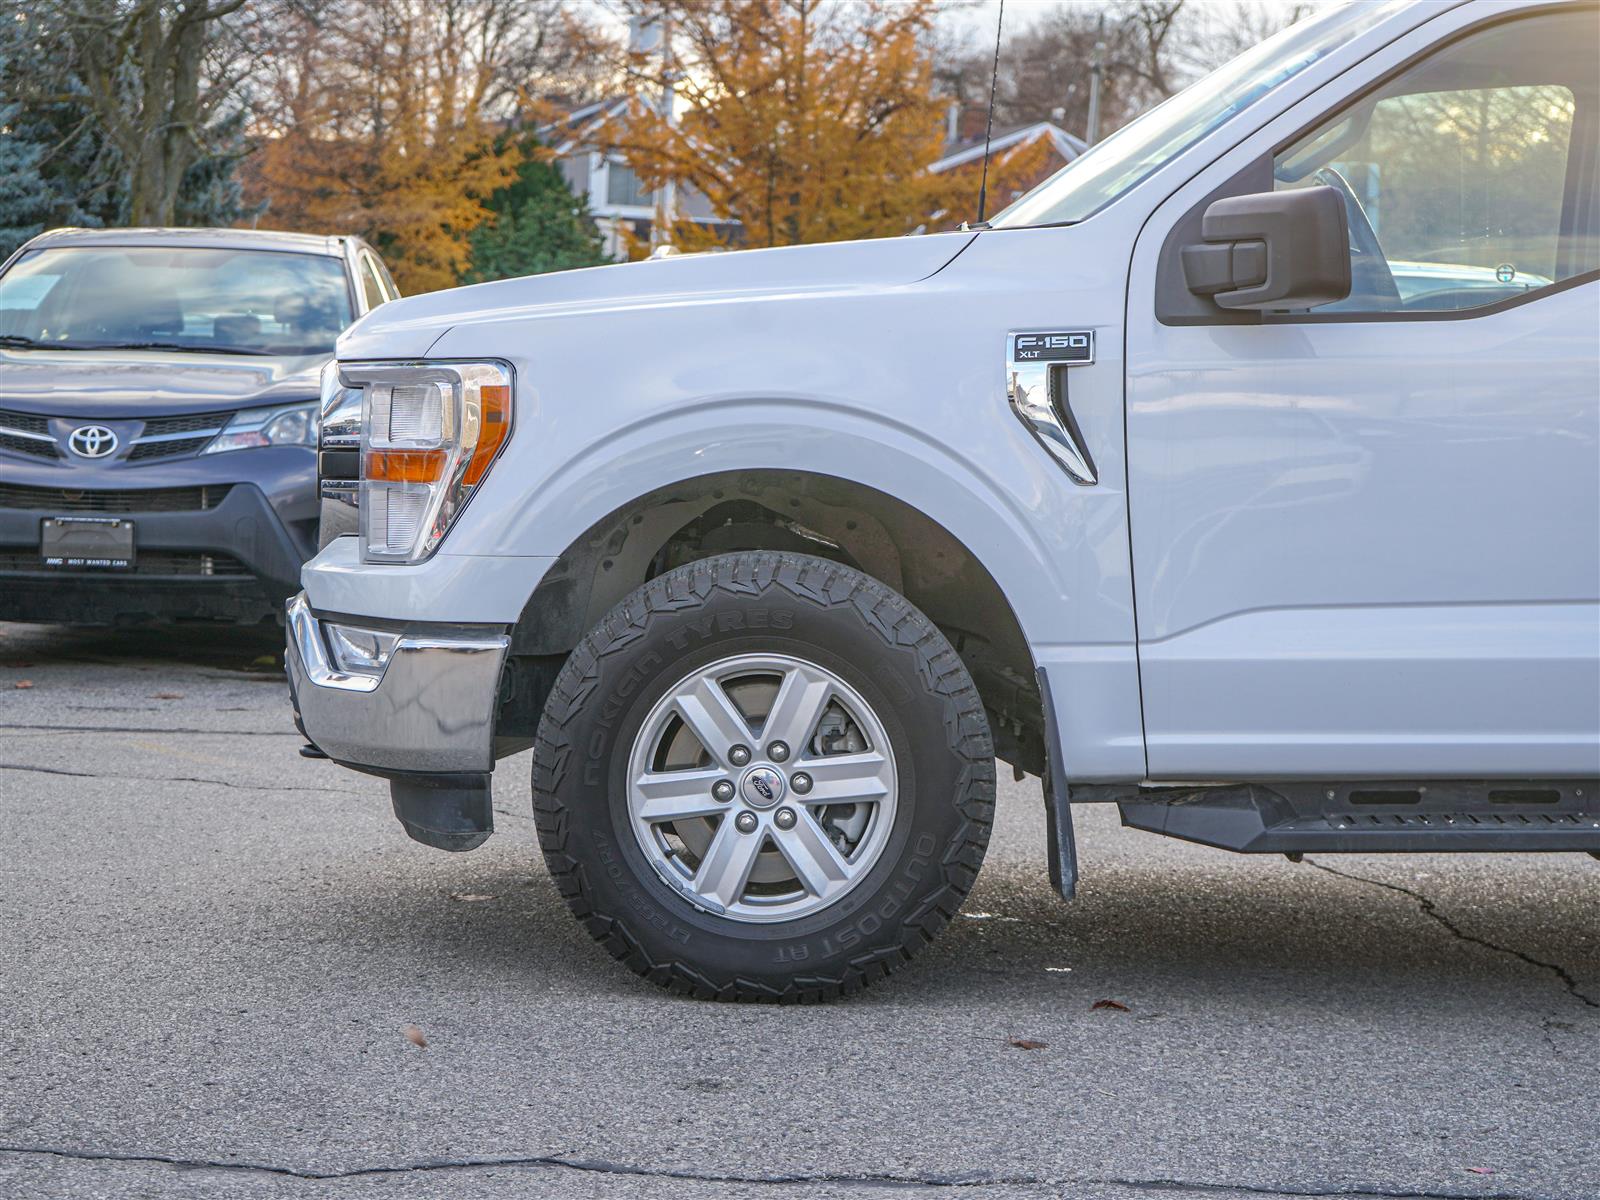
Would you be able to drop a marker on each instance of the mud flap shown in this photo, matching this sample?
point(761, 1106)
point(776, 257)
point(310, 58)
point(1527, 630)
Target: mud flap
point(1062, 848)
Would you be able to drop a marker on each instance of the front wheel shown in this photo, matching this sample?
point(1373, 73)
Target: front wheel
point(764, 777)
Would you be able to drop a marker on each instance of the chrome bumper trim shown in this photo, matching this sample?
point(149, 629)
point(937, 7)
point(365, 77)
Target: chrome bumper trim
point(432, 710)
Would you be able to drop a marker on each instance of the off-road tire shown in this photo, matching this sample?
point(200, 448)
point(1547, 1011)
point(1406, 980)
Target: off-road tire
point(765, 602)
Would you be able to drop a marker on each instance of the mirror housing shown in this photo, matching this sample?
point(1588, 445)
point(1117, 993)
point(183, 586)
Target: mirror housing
point(1287, 249)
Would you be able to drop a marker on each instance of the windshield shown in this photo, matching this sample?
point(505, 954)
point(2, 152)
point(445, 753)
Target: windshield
point(1112, 167)
point(174, 297)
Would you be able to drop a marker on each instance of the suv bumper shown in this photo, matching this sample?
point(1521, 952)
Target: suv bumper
point(431, 710)
point(197, 557)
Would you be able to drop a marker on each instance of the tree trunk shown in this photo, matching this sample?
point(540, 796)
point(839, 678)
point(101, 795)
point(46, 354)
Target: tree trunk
point(141, 65)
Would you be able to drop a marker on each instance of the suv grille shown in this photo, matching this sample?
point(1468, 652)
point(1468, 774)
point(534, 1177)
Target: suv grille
point(205, 425)
point(22, 445)
point(13, 424)
point(162, 426)
point(149, 562)
point(148, 500)
point(26, 422)
point(173, 449)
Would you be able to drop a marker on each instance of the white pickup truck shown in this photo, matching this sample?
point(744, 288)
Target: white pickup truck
point(1159, 486)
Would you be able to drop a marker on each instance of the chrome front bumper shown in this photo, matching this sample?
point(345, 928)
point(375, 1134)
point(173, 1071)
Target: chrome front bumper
point(432, 709)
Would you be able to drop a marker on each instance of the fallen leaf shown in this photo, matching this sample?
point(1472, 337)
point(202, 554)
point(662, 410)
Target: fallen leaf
point(1017, 1043)
point(414, 1036)
point(22, 685)
point(469, 897)
point(266, 660)
point(166, 695)
point(1113, 1005)
point(1481, 1170)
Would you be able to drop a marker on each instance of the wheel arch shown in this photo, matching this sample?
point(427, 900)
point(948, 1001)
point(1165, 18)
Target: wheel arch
point(805, 511)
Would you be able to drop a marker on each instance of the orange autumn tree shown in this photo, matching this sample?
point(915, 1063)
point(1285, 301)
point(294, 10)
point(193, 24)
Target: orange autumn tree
point(383, 119)
point(803, 120)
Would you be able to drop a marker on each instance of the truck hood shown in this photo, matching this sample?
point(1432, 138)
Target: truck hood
point(116, 384)
point(406, 328)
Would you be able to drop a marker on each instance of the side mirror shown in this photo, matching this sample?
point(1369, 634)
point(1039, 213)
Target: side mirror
point(1286, 249)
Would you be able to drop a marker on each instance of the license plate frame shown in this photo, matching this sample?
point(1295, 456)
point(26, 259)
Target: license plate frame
point(87, 544)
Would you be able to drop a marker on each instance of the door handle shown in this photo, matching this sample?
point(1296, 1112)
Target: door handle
point(1036, 384)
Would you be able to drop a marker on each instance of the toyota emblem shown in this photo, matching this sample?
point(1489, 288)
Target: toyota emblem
point(92, 441)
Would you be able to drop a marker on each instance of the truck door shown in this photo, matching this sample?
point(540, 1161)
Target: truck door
point(1366, 536)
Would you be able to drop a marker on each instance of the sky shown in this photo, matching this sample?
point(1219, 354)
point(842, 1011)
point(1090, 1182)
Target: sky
point(975, 19)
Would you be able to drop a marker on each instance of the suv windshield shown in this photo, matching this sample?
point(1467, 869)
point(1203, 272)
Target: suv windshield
point(205, 300)
point(1114, 166)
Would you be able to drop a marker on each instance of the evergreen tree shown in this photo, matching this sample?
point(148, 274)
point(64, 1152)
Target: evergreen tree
point(537, 225)
point(26, 200)
point(62, 163)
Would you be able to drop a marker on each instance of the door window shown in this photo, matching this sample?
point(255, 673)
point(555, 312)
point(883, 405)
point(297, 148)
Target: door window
point(1463, 176)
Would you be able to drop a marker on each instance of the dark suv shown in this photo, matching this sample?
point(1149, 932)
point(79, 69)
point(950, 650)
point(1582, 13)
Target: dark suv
point(159, 397)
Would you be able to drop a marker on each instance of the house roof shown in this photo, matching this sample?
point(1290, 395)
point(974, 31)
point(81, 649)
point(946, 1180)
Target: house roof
point(571, 131)
point(1066, 145)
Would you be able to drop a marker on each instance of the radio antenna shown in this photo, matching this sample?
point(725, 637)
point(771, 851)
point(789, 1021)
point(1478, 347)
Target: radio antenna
point(988, 127)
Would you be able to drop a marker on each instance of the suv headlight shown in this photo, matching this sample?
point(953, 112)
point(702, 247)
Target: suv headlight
point(429, 433)
point(295, 425)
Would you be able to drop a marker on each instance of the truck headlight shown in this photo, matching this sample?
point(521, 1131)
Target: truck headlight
point(295, 425)
point(429, 433)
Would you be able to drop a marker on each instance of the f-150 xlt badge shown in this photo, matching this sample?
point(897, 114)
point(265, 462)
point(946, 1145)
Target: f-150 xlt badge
point(1076, 346)
point(1036, 382)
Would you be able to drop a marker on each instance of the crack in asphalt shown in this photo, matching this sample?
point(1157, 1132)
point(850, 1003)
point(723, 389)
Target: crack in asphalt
point(1430, 909)
point(515, 816)
point(243, 787)
point(864, 1179)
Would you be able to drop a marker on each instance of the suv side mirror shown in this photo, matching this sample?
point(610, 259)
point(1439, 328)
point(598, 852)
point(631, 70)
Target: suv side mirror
point(1287, 249)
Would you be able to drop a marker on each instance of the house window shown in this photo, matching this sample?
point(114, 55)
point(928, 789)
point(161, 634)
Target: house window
point(623, 186)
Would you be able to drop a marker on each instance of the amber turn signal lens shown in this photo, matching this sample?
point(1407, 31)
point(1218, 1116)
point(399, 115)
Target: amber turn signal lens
point(406, 466)
point(494, 425)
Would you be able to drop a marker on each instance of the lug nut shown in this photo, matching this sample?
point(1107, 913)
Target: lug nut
point(745, 822)
point(778, 752)
point(739, 755)
point(801, 783)
point(722, 790)
point(784, 818)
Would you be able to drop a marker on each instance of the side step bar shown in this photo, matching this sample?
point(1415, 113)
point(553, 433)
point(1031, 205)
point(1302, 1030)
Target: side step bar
point(1404, 817)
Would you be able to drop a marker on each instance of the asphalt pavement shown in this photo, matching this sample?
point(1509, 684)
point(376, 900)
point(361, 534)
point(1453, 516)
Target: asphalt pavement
point(212, 950)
